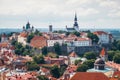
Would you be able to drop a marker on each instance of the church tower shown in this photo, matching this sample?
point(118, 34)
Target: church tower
point(75, 23)
point(27, 26)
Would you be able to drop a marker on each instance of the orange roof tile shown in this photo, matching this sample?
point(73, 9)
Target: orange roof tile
point(117, 73)
point(103, 53)
point(4, 44)
point(83, 39)
point(73, 54)
point(89, 76)
point(100, 32)
point(38, 42)
point(24, 34)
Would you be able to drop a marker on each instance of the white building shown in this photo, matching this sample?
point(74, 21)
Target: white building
point(78, 41)
point(52, 41)
point(22, 38)
point(104, 37)
point(4, 38)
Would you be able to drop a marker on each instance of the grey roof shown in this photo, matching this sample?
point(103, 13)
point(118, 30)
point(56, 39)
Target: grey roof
point(70, 28)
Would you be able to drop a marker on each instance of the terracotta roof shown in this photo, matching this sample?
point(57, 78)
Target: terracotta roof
point(26, 76)
point(24, 34)
point(45, 70)
point(113, 65)
point(103, 53)
point(73, 54)
point(117, 73)
point(4, 44)
point(71, 68)
point(113, 79)
point(100, 32)
point(89, 76)
point(38, 42)
point(83, 39)
point(72, 35)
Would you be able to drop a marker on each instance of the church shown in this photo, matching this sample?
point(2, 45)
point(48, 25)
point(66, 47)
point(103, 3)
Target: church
point(28, 28)
point(75, 26)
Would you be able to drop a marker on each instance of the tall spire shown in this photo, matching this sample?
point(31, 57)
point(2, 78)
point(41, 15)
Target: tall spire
point(75, 22)
point(75, 17)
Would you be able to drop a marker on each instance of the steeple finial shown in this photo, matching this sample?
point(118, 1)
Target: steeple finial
point(75, 17)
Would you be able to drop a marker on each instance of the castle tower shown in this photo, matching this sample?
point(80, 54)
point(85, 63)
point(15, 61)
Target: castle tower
point(50, 28)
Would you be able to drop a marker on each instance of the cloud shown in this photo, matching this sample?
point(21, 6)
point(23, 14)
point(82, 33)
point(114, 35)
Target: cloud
point(58, 12)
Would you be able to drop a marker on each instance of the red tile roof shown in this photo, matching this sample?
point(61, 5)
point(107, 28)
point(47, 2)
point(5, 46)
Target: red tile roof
point(100, 32)
point(72, 35)
point(27, 76)
point(117, 73)
point(4, 44)
point(38, 42)
point(83, 39)
point(24, 34)
point(73, 54)
point(71, 68)
point(89, 76)
point(103, 53)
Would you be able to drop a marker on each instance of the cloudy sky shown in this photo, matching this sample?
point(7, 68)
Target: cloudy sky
point(59, 13)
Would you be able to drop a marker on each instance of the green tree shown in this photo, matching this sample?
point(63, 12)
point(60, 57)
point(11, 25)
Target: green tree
point(110, 55)
point(37, 32)
point(118, 45)
point(55, 71)
point(77, 61)
point(82, 68)
point(93, 37)
point(13, 42)
point(67, 33)
point(26, 52)
point(116, 58)
point(114, 45)
point(89, 63)
point(29, 37)
point(57, 48)
point(39, 59)
point(90, 55)
point(31, 66)
point(41, 77)
point(44, 50)
point(62, 69)
point(76, 33)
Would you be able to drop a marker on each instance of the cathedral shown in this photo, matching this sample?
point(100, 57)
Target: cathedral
point(75, 26)
point(28, 28)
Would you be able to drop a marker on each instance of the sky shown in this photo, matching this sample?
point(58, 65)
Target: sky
point(59, 13)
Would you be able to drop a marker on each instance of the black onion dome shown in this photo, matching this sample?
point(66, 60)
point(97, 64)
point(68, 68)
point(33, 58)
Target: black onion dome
point(99, 61)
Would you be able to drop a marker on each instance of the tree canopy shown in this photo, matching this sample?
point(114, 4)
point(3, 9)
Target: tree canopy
point(89, 63)
point(29, 37)
point(82, 68)
point(76, 33)
point(93, 37)
point(44, 50)
point(77, 61)
point(55, 71)
point(110, 55)
point(90, 55)
point(57, 48)
point(31, 66)
point(116, 58)
point(39, 59)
